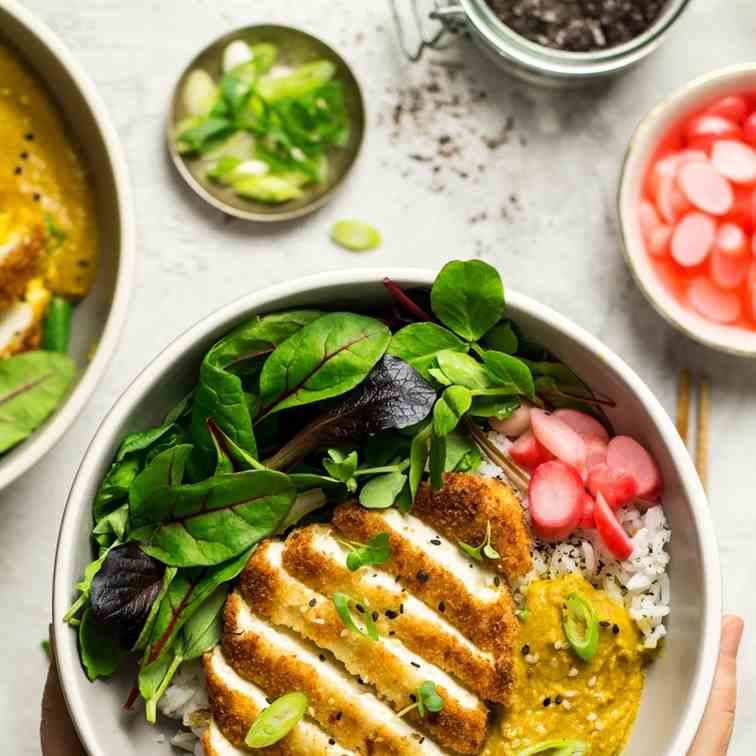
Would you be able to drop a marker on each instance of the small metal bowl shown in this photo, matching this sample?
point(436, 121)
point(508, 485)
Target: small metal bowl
point(544, 65)
point(295, 47)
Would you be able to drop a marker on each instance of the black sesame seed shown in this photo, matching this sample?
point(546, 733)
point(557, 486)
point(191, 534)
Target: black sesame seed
point(497, 581)
point(435, 541)
point(422, 740)
point(24, 156)
point(525, 650)
point(37, 196)
point(269, 700)
point(18, 170)
point(441, 607)
point(397, 578)
point(331, 741)
point(360, 608)
point(547, 701)
point(422, 576)
point(391, 614)
point(558, 700)
point(413, 697)
point(605, 623)
point(401, 608)
point(415, 665)
point(321, 657)
point(338, 716)
point(29, 136)
point(392, 632)
point(375, 616)
point(615, 629)
point(312, 600)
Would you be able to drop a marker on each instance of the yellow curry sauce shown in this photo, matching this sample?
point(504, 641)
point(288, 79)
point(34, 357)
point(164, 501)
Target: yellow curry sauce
point(43, 182)
point(559, 696)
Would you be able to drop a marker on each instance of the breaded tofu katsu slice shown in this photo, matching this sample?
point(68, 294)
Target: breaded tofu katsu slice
point(440, 616)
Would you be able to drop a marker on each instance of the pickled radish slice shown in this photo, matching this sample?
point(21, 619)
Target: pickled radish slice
point(626, 454)
point(595, 450)
point(732, 108)
point(528, 452)
point(648, 218)
point(586, 519)
point(718, 305)
point(670, 200)
point(658, 241)
point(582, 422)
point(735, 161)
point(704, 129)
point(556, 436)
point(729, 260)
point(749, 129)
point(618, 487)
point(611, 531)
point(743, 211)
point(555, 500)
point(669, 165)
point(705, 188)
point(693, 239)
point(516, 424)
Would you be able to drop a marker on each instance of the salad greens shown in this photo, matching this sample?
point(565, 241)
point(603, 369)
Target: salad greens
point(425, 699)
point(265, 132)
point(292, 412)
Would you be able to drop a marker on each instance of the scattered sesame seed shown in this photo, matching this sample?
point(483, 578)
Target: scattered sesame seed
point(558, 700)
point(401, 608)
point(24, 156)
point(422, 576)
point(435, 541)
point(525, 650)
point(313, 601)
point(344, 633)
point(497, 581)
point(29, 136)
point(566, 705)
point(605, 623)
point(599, 726)
point(331, 741)
point(413, 697)
point(592, 682)
point(18, 170)
point(558, 645)
point(441, 607)
point(374, 615)
point(391, 614)
point(531, 659)
point(615, 629)
point(547, 701)
point(570, 693)
point(360, 608)
point(572, 673)
point(321, 657)
point(415, 665)
point(591, 717)
point(338, 715)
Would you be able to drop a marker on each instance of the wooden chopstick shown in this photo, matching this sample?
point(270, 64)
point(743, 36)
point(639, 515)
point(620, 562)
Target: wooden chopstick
point(701, 457)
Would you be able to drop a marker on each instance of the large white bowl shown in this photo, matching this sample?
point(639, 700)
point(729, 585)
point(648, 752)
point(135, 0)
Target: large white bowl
point(100, 317)
point(678, 682)
point(692, 96)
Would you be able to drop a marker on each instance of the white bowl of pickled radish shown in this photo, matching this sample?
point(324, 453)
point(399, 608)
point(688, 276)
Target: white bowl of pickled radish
point(687, 209)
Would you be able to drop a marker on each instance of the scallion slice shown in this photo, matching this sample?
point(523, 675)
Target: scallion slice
point(341, 601)
point(581, 626)
point(277, 720)
point(558, 748)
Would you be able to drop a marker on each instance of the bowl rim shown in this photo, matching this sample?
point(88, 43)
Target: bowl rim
point(284, 213)
point(684, 321)
point(77, 505)
point(41, 441)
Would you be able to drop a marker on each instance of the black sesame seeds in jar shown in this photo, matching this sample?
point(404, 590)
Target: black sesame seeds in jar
point(578, 25)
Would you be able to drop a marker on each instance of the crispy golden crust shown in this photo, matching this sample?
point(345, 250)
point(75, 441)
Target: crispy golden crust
point(19, 266)
point(343, 711)
point(463, 507)
point(234, 712)
point(286, 601)
point(491, 626)
point(216, 744)
point(488, 676)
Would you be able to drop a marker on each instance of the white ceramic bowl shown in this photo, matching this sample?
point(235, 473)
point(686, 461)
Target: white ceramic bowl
point(100, 317)
point(678, 682)
point(693, 96)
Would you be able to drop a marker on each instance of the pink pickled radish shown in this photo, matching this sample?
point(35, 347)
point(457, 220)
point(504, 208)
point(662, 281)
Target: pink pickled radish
point(648, 218)
point(582, 422)
point(555, 500)
point(556, 436)
point(733, 108)
point(705, 188)
point(670, 200)
point(659, 239)
point(729, 260)
point(693, 239)
point(704, 129)
point(735, 161)
point(595, 450)
point(586, 519)
point(713, 303)
point(618, 487)
point(516, 424)
point(752, 289)
point(611, 531)
point(528, 453)
point(669, 165)
point(625, 453)
point(743, 211)
point(749, 129)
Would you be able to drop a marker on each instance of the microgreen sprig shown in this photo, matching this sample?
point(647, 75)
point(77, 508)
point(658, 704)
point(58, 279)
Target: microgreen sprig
point(373, 553)
point(484, 550)
point(342, 601)
point(426, 697)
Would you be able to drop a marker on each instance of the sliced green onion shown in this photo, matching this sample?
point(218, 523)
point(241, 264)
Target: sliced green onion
point(303, 81)
point(200, 93)
point(581, 626)
point(355, 235)
point(341, 601)
point(264, 56)
point(56, 329)
point(277, 720)
point(558, 747)
point(236, 54)
point(267, 188)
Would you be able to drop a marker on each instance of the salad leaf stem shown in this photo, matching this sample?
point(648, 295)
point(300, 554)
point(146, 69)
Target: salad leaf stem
point(513, 471)
point(405, 303)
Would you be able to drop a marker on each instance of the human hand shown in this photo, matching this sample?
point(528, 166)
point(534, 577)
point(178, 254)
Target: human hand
point(715, 730)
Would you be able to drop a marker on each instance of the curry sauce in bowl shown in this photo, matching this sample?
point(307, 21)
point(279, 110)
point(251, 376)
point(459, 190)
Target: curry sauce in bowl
point(65, 240)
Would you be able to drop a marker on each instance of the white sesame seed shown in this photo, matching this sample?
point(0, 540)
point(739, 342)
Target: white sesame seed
point(599, 726)
point(591, 717)
point(558, 645)
point(344, 633)
point(572, 673)
point(570, 693)
point(530, 659)
point(566, 704)
point(592, 682)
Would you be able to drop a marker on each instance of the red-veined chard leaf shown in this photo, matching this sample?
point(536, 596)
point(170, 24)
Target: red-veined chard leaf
point(419, 343)
point(212, 521)
point(220, 394)
point(393, 396)
point(326, 358)
point(32, 386)
point(123, 591)
point(166, 469)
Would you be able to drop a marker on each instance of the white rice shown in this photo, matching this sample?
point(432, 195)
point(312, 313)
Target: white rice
point(640, 583)
point(186, 699)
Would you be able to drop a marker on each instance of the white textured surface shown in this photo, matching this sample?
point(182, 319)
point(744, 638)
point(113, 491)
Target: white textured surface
point(557, 241)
